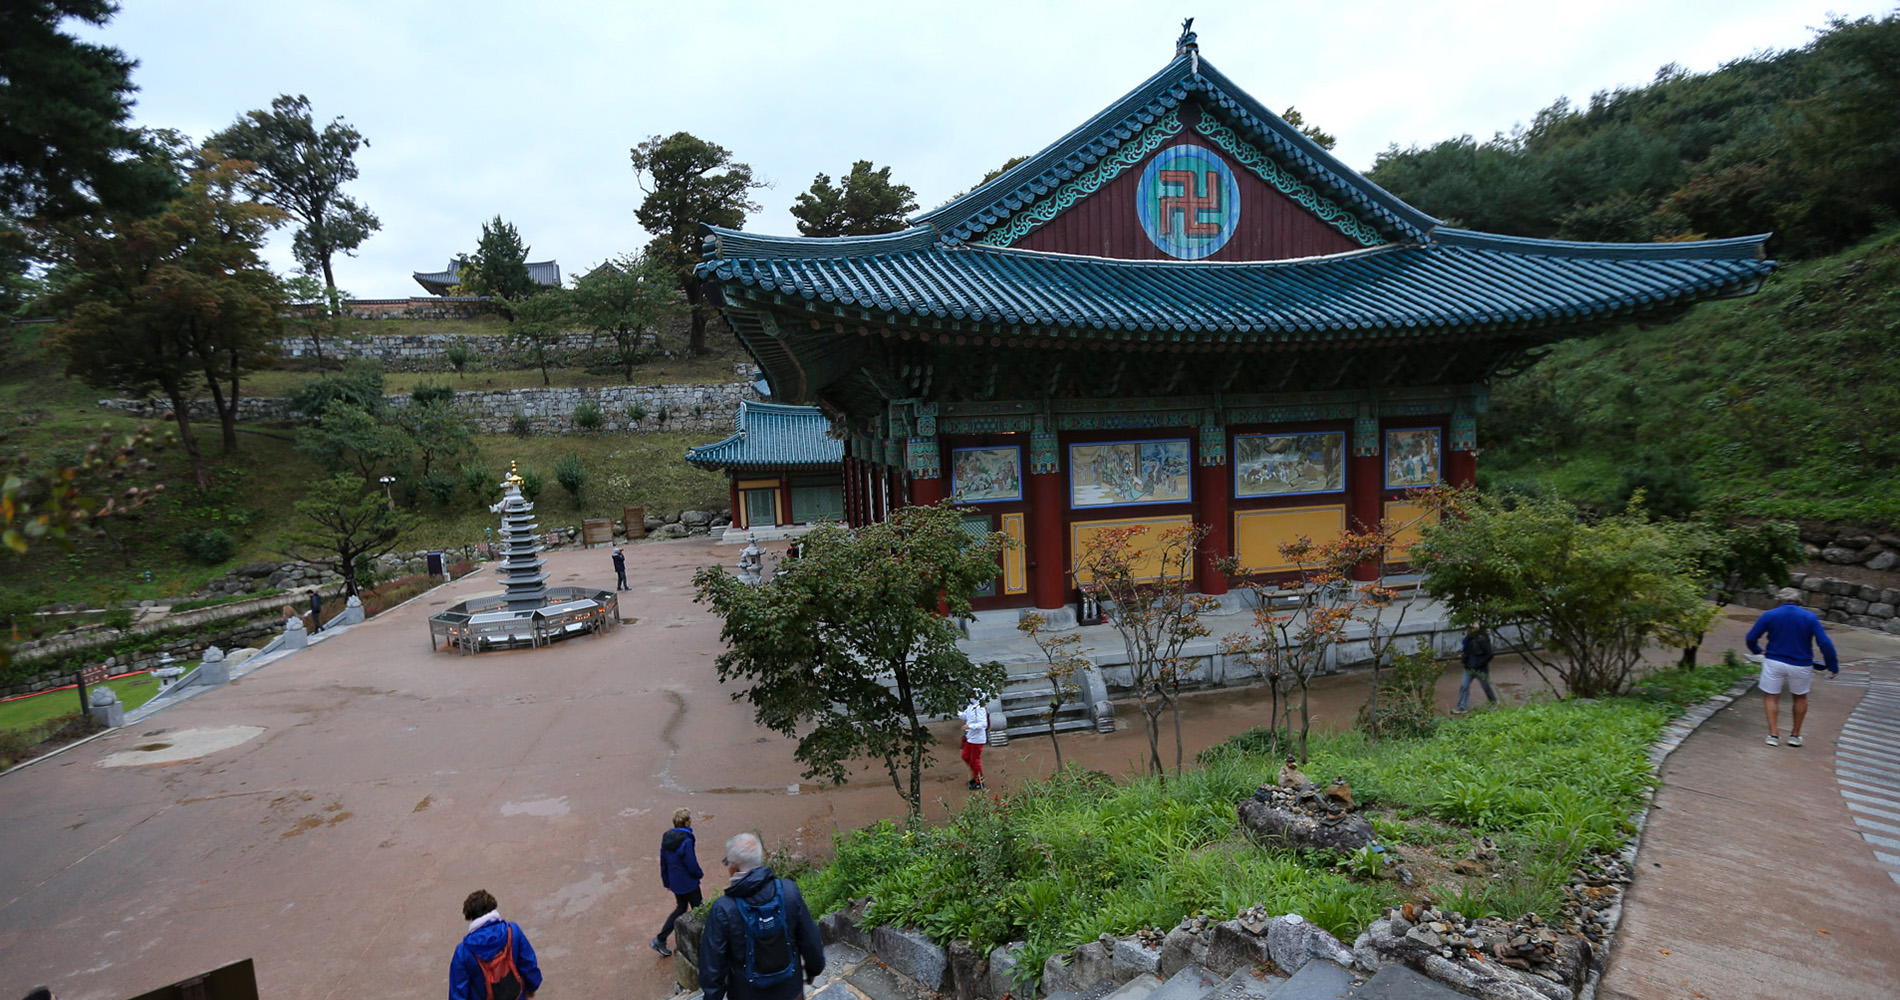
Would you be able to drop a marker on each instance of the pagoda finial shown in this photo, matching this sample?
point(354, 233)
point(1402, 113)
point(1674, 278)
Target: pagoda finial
point(513, 478)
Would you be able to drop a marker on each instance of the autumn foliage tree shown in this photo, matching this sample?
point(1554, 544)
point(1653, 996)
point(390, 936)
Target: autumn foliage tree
point(175, 302)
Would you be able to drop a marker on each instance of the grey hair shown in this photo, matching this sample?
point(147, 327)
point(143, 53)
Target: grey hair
point(745, 851)
point(1789, 595)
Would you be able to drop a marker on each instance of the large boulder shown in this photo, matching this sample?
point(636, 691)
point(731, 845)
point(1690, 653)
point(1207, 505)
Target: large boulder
point(968, 974)
point(1272, 821)
point(1185, 945)
point(686, 934)
point(1079, 969)
point(910, 952)
point(1292, 942)
point(842, 926)
point(1005, 963)
point(673, 530)
point(1232, 947)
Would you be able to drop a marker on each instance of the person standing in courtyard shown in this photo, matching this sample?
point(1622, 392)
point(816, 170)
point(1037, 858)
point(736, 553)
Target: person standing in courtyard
point(680, 873)
point(620, 569)
point(494, 961)
point(976, 735)
point(316, 611)
point(761, 942)
point(1477, 660)
point(1793, 631)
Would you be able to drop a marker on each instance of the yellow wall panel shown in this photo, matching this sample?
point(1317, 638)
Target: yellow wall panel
point(1258, 534)
point(1081, 533)
point(1016, 557)
point(1414, 517)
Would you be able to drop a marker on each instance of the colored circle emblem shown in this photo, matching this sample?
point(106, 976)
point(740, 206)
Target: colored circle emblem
point(1187, 201)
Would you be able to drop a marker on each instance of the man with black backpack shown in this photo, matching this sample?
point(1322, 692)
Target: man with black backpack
point(494, 960)
point(760, 941)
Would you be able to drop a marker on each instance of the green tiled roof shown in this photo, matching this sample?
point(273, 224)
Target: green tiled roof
point(772, 436)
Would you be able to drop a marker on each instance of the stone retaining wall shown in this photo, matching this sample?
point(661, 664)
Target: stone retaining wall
point(705, 407)
point(225, 636)
point(429, 351)
point(422, 307)
point(1851, 546)
point(1841, 601)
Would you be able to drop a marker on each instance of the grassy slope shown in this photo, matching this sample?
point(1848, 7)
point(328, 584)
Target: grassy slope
point(1780, 404)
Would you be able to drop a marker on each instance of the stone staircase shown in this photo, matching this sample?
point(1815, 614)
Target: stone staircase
point(1022, 708)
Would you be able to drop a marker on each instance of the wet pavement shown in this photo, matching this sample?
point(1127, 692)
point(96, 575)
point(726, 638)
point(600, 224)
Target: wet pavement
point(348, 797)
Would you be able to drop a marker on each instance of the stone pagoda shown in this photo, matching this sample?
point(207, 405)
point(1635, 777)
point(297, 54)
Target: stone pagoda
point(523, 571)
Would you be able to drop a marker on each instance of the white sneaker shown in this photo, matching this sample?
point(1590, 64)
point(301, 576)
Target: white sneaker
point(1773, 740)
point(1794, 741)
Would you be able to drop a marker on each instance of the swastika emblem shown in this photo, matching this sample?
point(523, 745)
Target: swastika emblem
point(1187, 201)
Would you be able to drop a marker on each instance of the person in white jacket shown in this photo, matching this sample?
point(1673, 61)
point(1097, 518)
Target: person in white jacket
point(976, 734)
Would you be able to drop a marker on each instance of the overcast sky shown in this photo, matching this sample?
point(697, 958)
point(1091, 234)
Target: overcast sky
point(476, 109)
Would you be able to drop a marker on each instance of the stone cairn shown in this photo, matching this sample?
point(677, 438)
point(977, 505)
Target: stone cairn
point(1297, 813)
point(1525, 958)
point(523, 571)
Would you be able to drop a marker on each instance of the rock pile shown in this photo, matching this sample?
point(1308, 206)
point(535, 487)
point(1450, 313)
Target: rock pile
point(1851, 547)
point(1304, 817)
point(1592, 898)
point(1525, 959)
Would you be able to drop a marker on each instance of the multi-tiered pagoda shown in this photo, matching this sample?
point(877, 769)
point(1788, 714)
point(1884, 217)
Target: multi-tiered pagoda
point(1183, 310)
point(522, 570)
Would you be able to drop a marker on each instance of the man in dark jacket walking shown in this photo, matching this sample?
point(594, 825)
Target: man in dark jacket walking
point(786, 954)
point(316, 611)
point(1477, 658)
point(487, 936)
point(620, 569)
point(680, 873)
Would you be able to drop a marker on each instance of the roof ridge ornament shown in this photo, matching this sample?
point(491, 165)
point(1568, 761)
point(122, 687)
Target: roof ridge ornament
point(1187, 45)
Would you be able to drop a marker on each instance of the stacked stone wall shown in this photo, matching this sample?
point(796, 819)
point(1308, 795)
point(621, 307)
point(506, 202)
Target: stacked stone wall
point(703, 407)
point(1851, 547)
point(423, 352)
point(1843, 602)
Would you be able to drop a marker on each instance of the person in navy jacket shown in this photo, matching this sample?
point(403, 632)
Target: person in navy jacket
point(679, 872)
point(487, 935)
point(1793, 631)
point(722, 949)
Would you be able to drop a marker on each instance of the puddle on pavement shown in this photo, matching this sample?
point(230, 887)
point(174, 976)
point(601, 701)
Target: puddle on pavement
point(182, 745)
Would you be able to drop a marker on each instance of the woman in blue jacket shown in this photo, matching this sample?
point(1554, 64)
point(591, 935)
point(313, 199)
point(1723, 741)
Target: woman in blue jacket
point(679, 872)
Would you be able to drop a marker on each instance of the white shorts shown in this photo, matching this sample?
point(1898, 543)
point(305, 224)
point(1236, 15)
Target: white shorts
point(1776, 674)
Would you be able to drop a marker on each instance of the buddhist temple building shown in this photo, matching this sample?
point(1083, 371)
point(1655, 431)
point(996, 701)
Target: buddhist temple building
point(1184, 310)
point(782, 466)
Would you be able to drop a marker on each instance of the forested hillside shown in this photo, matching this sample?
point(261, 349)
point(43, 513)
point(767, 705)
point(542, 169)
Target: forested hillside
point(1779, 405)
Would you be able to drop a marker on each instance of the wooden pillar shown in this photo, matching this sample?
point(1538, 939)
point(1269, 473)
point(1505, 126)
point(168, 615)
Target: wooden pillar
point(1048, 571)
point(1211, 482)
point(1461, 465)
point(738, 509)
point(927, 491)
point(784, 498)
point(1365, 481)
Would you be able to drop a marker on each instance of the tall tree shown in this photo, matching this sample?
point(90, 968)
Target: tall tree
point(850, 648)
point(864, 204)
point(175, 302)
point(65, 147)
point(304, 169)
point(499, 267)
point(626, 298)
point(538, 323)
point(690, 182)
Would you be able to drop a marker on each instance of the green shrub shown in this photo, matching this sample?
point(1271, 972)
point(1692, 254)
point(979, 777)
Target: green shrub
point(571, 473)
point(661, 416)
point(1408, 695)
point(441, 486)
point(520, 425)
point(209, 546)
point(426, 392)
point(636, 411)
point(587, 416)
point(479, 479)
point(458, 355)
point(531, 484)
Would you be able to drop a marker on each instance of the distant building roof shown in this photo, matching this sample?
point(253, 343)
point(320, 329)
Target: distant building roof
point(772, 436)
point(546, 273)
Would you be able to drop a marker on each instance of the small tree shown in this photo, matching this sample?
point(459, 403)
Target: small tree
point(1063, 658)
point(625, 298)
point(499, 266)
point(1589, 595)
point(537, 324)
point(350, 438)
point(850, 648)
point(341, 524)
point(438, 433)
point(317, 311)
point(1147, 577)
point(1728, 558)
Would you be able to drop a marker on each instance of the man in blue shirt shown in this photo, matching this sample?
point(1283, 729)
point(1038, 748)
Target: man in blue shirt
point(1793, 631)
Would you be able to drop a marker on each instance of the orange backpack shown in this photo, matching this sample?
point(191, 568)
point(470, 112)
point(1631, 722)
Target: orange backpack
point(498, 973)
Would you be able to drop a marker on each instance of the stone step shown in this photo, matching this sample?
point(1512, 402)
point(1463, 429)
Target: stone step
point(1038, 727)
point(1396, 982)
point(1191, 983)
point(1138, 988)
point(1316, 980)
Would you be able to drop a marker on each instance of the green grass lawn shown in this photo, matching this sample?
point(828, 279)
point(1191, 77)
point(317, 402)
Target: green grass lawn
point(37, 711)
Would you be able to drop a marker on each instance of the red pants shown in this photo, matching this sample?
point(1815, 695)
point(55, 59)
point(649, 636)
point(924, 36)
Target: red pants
point(973, 756)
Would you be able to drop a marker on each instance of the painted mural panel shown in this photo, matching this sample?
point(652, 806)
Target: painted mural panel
point(1258, 534)
point(1412, 457)
point(986, 475)
point(1147, 545)
point(1277, 465)
point(1125, 473)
